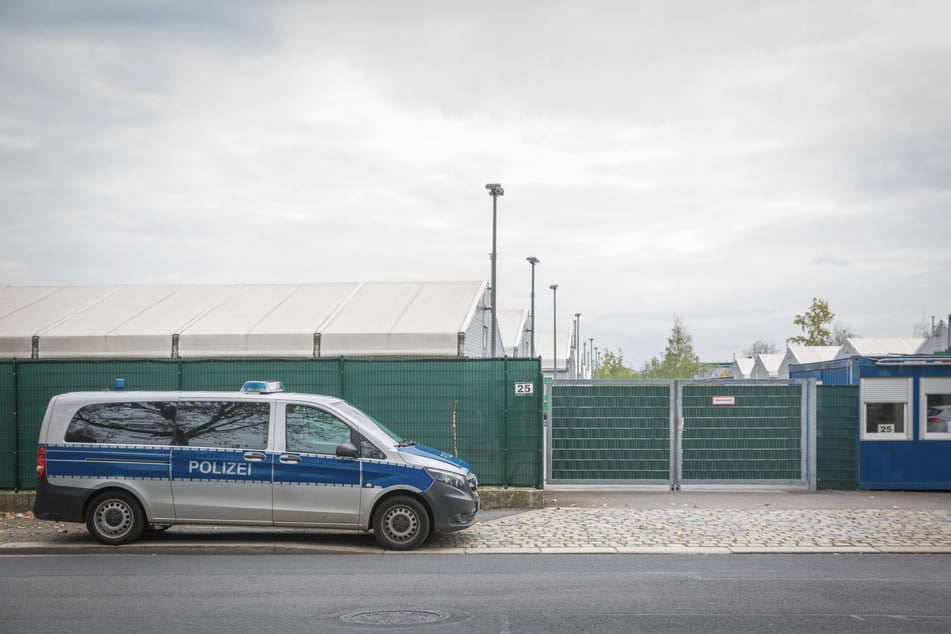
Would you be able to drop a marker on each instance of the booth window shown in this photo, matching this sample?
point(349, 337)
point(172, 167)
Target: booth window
point(886, 404)
point(935, 409)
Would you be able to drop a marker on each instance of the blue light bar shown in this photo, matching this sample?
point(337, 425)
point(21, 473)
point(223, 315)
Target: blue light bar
point(263, 387)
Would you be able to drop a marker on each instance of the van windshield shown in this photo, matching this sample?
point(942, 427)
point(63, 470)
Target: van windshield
point(369, 421)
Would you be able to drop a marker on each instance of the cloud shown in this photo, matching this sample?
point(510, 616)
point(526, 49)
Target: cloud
point(724, 162)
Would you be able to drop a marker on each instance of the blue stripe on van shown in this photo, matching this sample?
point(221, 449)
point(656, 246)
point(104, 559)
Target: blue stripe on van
point(316, 469)
point(220, 465)
point(387, 474)
point(103, 461)
point(430, 452)
point(226, 465)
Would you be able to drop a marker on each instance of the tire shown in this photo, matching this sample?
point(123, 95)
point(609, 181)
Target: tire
point(401, 523)
point(115, 518)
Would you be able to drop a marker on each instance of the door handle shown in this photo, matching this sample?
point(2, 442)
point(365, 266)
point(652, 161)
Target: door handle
point(290, 458)
point(254, 456)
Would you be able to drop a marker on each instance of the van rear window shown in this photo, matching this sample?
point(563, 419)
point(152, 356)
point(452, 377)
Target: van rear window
point(228, 424)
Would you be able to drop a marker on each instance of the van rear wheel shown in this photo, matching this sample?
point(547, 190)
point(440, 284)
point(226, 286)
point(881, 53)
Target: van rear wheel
point(115, 518)
point(401, 523)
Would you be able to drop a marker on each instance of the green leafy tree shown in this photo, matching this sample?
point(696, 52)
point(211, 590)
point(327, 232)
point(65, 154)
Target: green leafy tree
point(679, 360)
point(612, 367)
point(815, 324)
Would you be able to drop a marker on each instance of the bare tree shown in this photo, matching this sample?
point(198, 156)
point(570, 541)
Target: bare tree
point(840, 332)
point(760, 346)
point(922, 328)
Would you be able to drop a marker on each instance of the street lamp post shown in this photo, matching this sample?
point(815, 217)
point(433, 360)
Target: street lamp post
point(584, 361)
point(577, 345)
point(554, 295)
point(495, 190)
point(533, 261)
point(591, 357)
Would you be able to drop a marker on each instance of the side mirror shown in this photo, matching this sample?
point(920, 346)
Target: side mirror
point(347, 450)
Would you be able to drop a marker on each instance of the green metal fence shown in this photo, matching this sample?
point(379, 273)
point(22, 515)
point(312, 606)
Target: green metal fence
point(9, 438)
point(837, 437)
point(742, 432)
point(604, 431)
point(678, 431)
point(463, 406)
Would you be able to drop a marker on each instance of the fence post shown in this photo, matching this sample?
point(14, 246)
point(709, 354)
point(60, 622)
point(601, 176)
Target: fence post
point(343, 378)
point(540, 420)
point(505, 421)
point(809, 433)
point(17, 482)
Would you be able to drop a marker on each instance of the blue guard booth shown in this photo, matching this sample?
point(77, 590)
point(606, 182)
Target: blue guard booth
point(904, 439)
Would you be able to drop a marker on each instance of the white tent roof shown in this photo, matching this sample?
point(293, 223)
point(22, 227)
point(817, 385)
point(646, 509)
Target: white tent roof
point(937, 342)
point(797, 353)
point(545, 348)
point(766, 365)
point(743, 367)
point(371, 318)
point(512, 323)
point(810, 354)
point(857, 347)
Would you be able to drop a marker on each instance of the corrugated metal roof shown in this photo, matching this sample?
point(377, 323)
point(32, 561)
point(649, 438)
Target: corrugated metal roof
point(375, 318)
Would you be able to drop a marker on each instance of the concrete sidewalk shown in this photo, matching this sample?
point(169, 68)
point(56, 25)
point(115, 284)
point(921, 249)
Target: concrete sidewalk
point(610, 520)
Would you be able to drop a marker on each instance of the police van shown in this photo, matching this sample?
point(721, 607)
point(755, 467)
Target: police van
point(125, 462)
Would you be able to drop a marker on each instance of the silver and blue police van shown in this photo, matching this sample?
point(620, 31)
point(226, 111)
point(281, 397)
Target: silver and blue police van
point(124, 462)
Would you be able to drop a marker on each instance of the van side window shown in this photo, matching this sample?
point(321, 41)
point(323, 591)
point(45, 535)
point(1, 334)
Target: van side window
point(311, 430)
point(123, 423)
point(239, 425)
point(198, 424)
point(369, 450)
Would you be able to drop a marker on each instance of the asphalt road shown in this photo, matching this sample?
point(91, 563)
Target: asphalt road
point(497, 593)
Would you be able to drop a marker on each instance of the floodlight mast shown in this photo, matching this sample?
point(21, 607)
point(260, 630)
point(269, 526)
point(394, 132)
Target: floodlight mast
point(533, 261)
point(495, 190)
point(554, 327)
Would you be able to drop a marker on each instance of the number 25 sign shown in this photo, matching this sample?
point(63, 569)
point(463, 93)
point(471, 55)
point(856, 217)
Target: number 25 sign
point(524, 389)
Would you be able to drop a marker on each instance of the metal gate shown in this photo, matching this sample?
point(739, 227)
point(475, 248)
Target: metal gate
point(681, 432)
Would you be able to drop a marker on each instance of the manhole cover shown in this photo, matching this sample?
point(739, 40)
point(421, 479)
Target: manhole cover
point(394, 617)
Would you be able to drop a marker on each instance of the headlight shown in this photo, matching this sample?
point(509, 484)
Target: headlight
point(449, 478)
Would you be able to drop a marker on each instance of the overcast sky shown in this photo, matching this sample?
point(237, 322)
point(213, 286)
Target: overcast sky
point(721, 161)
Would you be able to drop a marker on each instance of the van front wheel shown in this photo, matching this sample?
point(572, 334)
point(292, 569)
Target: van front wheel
point(401, 523)
point(115, 518)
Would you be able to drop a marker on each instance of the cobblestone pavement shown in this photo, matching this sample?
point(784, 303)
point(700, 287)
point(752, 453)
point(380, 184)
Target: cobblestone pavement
point(713, 530)
point(586, 522)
